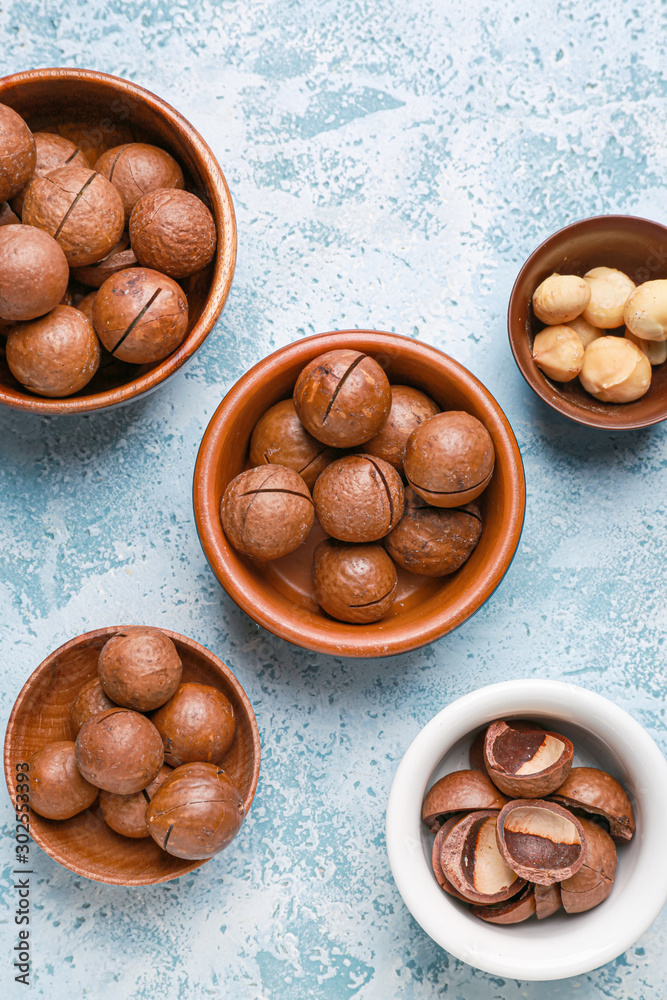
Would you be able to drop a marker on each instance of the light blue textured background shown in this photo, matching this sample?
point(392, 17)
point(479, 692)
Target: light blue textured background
point(392, 164)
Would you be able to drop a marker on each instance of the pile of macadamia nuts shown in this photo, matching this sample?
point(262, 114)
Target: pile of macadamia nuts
point(150, 747)
point(114, 220)
point(523, 832)
point(339, 451)
point(602, 328)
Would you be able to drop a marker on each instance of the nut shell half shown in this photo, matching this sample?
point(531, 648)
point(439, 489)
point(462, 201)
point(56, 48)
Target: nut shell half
point(459, 791)
point(595, 879)
point(525, 763)
point(472, 862)
point(597, 792)
point(540, 841)
point(440, 876)
point(514, 911)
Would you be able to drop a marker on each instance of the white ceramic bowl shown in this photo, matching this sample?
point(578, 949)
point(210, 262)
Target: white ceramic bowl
point(560, 946)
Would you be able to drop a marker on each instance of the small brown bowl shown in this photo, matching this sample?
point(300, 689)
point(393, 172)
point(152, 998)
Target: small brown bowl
point(278, 595)
point(636, 246)
point(85, 844)
point(107, 111)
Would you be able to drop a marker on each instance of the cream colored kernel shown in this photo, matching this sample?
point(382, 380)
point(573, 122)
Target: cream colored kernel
point(645, 312)
point(560, 297)
point(609, 292)
point(559, 353)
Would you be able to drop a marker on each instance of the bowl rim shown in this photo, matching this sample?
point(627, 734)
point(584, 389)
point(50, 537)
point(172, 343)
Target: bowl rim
point(223, 268)
point(534, 378)
point(239, 587)
point(107, 631)
point(414, 880)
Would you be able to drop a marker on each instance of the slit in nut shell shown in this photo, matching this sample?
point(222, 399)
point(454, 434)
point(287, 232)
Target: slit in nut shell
point(354, 583)
point(526, 763)
point(514, 911)
point(472, 862)
point(449, 459)
point(358, 498)
point(594, 881)
point(540, 841)
point(267, 512)
point(598, 793)
point(459, 791)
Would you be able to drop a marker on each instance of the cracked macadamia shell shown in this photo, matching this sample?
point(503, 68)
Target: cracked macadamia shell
point(645, 312)
point(525, 763)
point(17, 153)
point(597, 792)
point(459, 791)
point(449, 459)
point(559, 353)
point(358, 498)
point(140, 668)
point(540, 841)
point(440, 876)
point(615, 370)
point(342, 398)
point(547, 900)
point(136, 169)
point(119, 750)
point(433, 541)
point(609, 292)
point(514, 911)
point(595, 879)
point(409, 409)
point(173, 231)
point(196, 724)
point(470, 859)
point(52, 152)
point(140, 315)
point(196, 812)
point(279, 438)
point(267, 512)
point(33, 273)
point(80, 209)
point(354, 583)
point(90, 701)
point(126, 814)
point(57, 789)
point(56, 355)
point(560, 297)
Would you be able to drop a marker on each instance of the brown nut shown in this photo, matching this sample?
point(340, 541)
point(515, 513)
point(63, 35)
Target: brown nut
point(196, 724)
point(471, 860)
point(140, 315)
point(342, 398)
point(540, 841)
point(140, 668)
point(440, 876)
point(85, 305)
point(126, 814)
point(196, 812)
point(598, 793)
point(90, 701)
point(120, 258)
point(354, 583)
point(526, 763)
point(449, 459)
point(119, 750)
point(433, 541)
point(51, 152)
point(409, 409)
point(457, 792)
point(267, 512)
point(80, 209)
point(173, 231)
point(514, 911)
point(33, 273)
point(17, 153)
point(547, 900)
point(136, 169)
point(279, 438)
point(595, 879)
point(55, 355)
point(57, 789)
point(358, 498)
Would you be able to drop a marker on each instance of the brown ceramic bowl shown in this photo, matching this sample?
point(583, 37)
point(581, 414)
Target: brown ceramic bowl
point(278, 595)
point(85, 844)
point(636, 246)
point(109, 111)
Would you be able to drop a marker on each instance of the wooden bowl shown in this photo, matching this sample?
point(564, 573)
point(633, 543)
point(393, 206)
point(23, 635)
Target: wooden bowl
point(99, 111)
point(278, 595)
point(85, 844)
point(636, 246)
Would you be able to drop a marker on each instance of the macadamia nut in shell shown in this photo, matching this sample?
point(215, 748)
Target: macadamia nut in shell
point(196, 724)
point(354, 583)
point(279, 438)
point(433, 541)
point(358, 498)
point(56, 355)
point(173, 231)
point(140, 668)
point(119, 750)
point(33, 273)
point(17, 153)
point(449, 459)
point(136, 169)
point(57, 789)
point(409, 409)
point(267, 512)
